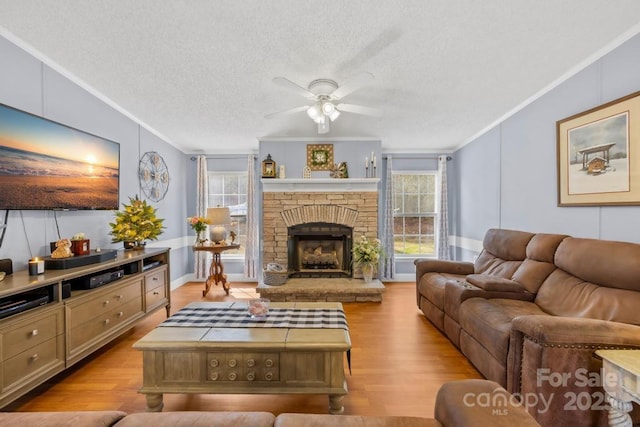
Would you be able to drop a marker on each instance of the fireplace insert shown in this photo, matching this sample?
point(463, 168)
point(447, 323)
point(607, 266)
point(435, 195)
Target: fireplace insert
point(319, 249)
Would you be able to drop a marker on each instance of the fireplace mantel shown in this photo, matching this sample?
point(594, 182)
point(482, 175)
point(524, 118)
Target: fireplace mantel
point(324, 185)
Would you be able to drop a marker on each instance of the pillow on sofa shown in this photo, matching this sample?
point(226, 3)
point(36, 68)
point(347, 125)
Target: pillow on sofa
point(493, 283)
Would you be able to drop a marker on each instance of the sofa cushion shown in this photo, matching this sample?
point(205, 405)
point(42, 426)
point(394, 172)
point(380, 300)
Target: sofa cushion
point(538, 264)
point(563, 294)
point(488, 321)
point(485, 403)
point(326, 420)
point(503, 252)
point(607, 263)
point(61, 419)
point(198, 419)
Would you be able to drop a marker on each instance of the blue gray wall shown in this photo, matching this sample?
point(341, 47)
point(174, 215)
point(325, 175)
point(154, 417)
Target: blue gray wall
point(507, 177)
point(28, 84)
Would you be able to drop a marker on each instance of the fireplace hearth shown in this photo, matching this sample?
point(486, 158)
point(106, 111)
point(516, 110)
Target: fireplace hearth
point(319, 250)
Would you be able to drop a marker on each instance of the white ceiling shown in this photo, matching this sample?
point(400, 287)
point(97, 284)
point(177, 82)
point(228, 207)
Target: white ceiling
point(199, 72)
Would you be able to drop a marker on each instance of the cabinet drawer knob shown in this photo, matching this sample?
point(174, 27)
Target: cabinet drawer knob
point(35, 357)
point(106, 321)
point(156, 293)
point(120, 314)
point(106, 302)
point(120, 296)
point(34, 332)
point(155, 279)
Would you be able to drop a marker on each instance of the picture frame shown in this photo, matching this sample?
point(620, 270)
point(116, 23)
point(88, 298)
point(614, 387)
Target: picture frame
point(320, 157)
point(596, 155)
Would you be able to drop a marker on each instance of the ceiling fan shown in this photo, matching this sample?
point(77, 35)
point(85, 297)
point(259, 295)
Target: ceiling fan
point(324, 93)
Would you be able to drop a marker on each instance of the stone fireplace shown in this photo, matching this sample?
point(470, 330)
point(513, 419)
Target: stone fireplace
point(318, 218)
point(309, 226)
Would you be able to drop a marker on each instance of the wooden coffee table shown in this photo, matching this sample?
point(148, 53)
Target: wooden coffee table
point(253, 360)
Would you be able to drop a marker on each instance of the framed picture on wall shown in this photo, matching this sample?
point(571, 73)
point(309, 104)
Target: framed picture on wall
point(598, 153)
point(320, 157)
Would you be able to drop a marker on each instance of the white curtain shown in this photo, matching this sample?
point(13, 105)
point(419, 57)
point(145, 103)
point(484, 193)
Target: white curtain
point(443, 211)
point(202, 195)
point(251, 252)
point(388, 262)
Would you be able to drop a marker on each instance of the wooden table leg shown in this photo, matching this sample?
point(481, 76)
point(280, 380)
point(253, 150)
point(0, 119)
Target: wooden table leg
point(212, 277)
point(154, 402)
point(335, 404)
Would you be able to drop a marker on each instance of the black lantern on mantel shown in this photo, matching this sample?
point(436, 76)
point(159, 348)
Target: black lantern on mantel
point(268, 167)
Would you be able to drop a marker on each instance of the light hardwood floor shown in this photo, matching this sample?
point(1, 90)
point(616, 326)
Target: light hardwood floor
point(399, 361)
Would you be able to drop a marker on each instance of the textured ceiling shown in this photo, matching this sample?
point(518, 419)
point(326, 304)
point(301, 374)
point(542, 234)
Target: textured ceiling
point(199, 72)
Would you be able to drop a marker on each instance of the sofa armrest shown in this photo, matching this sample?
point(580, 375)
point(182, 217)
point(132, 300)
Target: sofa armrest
point(571, 330)
point(424, 266)
point(479, 403)
point(553, 357)
point(458, 291)
point(493, 283)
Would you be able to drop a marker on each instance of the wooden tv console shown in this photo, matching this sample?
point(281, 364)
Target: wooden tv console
point(42, 341)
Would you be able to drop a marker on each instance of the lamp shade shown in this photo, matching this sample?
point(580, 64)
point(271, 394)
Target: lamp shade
point(218, 216)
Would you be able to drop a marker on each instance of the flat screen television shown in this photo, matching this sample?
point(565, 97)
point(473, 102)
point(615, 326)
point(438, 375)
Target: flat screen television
point(48, 165)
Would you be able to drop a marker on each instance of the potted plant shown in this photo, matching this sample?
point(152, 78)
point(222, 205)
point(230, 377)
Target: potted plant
point(366, 255)
point(135, 223)
point(80, 244)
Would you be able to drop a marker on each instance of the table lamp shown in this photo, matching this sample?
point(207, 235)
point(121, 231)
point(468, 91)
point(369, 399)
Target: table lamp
point(218, 217)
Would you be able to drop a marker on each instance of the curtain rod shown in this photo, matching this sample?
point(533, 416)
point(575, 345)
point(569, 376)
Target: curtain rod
point(193, 158)
point(415, 157)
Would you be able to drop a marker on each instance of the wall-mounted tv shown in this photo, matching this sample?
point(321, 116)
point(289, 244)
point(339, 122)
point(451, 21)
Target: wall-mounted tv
point(47, 165)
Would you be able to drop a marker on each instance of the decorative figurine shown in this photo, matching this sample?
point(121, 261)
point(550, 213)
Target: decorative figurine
point(339, 170)
point(63, 249)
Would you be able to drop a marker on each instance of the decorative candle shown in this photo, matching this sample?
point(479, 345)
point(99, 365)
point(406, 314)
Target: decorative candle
point(374, 161)
point(366, 162)
point(33, 267)
point(36, 266)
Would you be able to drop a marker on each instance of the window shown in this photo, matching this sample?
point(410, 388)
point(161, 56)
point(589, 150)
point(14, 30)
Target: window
point(229, 189)
point(414, 213)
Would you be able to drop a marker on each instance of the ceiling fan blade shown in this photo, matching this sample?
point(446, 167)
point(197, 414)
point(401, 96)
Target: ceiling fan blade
point(287, 112)
point(352, 85)
point(359, 109)
point(286, 83)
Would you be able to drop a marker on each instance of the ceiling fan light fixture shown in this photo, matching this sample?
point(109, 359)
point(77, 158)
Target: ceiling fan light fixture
point(328, 108)
point(323, 126)
point(315, 112)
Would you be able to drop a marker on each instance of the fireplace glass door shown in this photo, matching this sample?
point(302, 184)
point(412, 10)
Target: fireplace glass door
point(320, 250)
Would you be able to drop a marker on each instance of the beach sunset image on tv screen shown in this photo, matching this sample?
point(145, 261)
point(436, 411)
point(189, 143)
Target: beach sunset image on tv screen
point(46, 165)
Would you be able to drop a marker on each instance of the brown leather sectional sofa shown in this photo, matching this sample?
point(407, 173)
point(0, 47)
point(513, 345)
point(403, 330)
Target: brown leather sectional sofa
point(462, 403)
point(531, 311)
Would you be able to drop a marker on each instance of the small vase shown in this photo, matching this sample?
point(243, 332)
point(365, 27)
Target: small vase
point(199, 240)
point(367, 273)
